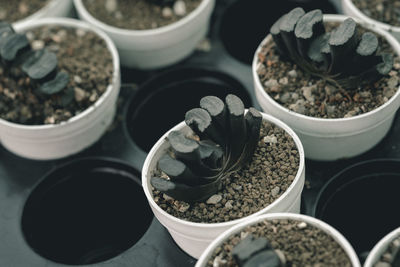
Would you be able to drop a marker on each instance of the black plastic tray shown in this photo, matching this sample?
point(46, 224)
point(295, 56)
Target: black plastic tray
point(241, 24)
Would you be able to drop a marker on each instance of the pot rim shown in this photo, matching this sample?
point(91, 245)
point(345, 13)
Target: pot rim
point(336, 235)
point(343, 171)
point(349, 4)
point(328, 18)
point(38, 14)
point(170, 217)
point(142, 33)
point(381, 245)
point(71, 23)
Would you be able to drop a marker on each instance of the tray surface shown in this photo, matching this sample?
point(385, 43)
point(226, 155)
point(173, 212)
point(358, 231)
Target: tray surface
point(19, 176)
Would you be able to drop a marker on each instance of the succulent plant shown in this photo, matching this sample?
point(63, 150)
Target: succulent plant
point(39, 65)
point(343, 57)
point(257, 252)
point(228, 139)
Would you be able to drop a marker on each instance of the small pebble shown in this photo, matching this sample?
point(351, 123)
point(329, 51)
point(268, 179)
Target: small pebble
point(298, 106)
point(228, 204)
point(111, 5)
point(285, 97)
point(214, 199)
point(302, 225)
point(271, 83)
point(118, 15)
point(393, 82)
point(270, 139)
point(77, 79)
point(275, 191)
point(37, 44)
point(292, 73)
point(80, 32)
point(166, 197)
point(2, 14)
point(204, 45)
point(284, 81)
point(179, 8)
point(184, 207)
point(167, 12)
point(308, 93)
point(80, 94)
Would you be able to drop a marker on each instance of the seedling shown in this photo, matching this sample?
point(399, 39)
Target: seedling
point(257, 252)
point(226, 140)
point(40, 65)
point(342, 57)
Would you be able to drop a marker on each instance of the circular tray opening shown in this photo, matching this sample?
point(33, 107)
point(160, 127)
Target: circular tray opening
point(361, 202)
point(85, 212)
point(246, 23)
point(162, 102)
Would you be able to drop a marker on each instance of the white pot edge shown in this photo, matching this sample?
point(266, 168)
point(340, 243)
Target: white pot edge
point(351, 10)
point(54, 8)
point(380, 247)
point(41, 133)
point(296, 116)
point(141, 33)
point(337, 236)
point(298, 179)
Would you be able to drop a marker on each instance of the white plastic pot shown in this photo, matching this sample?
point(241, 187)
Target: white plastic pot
point(350, 9)
point(54, 8)
point(375, 255)
point(338, 237)
point(60, 140)
point(192, 237)
point(331, 139)
point(156, 48)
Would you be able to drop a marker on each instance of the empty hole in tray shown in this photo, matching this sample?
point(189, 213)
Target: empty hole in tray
point(246, 23)
point(363, 209)
point(86, 213)
point(162, 102)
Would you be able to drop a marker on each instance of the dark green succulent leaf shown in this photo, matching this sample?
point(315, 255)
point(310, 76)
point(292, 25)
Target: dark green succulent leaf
point(343, 41)
point(287, 27)
point(211, 154)
point(200, 121)
point(207, 160)
point(184, 192)
point(5, 29)
point(56, 85)
point(248, 247)
point(30, 59)
point(364, 57)
point(340, 57)
point(177, 171)
point(386, 66)
point(368, 44)
point(12, 45)
point(187, 150)
point(253, 121)
point(308, 28)
point(319, 51)
point(277, 37)
point(162, 184)
point(238, 130)
point(268, 258)
point(67, 97)
point(43, 67)
point(216, 108)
